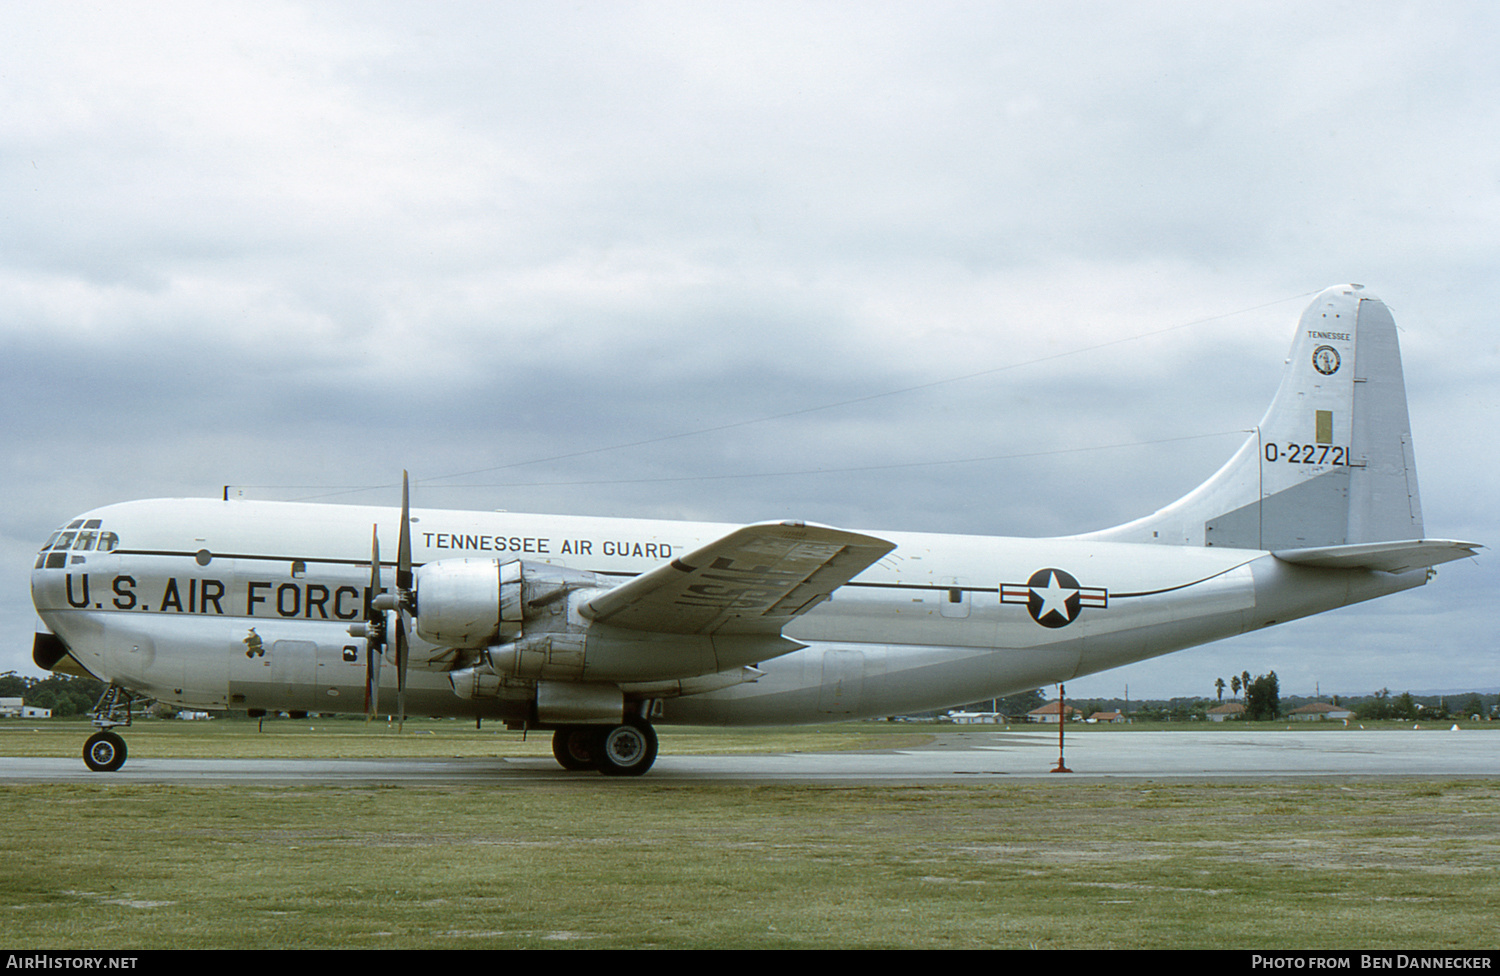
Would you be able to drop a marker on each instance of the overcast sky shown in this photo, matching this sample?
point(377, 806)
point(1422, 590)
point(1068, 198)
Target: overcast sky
point(997, 268)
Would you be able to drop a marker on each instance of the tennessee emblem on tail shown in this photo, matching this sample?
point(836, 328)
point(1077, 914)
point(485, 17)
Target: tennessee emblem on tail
point(600, 629)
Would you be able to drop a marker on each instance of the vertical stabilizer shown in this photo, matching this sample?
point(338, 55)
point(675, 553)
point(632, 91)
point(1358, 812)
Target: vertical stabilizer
point(1331, 462)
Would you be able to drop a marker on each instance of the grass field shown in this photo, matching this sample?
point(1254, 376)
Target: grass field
point(603, 863)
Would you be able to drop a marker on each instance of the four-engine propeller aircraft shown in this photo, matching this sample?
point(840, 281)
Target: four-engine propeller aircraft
point(599, 628)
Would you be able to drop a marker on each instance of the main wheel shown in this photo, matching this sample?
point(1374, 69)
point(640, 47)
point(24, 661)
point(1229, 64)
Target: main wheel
point(104, 752)
point(575, 746)
point(627, 750)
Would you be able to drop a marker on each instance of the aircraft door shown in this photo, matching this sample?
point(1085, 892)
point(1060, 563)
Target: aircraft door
point(843, 681)
point(340, 677)
point(270, 673)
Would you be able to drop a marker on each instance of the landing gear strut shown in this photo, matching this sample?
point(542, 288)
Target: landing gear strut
point(628, 749)
point(105, 752)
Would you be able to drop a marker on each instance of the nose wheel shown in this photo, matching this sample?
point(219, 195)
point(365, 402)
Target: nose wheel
point(104, 752)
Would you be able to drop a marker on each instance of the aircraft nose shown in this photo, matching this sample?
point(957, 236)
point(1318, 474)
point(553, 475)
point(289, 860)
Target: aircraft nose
point(60, 574)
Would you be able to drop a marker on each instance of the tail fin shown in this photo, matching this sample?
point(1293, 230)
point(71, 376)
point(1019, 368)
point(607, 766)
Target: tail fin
point(1331, 462)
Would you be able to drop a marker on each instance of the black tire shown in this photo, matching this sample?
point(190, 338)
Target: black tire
point(575, 746)
point(627, 750)
point(104, 752)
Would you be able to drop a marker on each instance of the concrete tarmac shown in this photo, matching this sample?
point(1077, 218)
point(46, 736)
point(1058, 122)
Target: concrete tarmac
point(968, 757)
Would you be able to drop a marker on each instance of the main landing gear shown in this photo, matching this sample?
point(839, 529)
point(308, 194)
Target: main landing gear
point(105, 752)
point(628, 749)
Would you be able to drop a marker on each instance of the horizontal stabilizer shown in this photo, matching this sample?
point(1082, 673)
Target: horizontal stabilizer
point(1388, 557)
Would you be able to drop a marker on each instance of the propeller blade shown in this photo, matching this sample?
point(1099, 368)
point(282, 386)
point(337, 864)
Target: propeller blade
point(372, 680)
point(373, 630)
point(405, 598)
point(401, 649)
point(403, 551)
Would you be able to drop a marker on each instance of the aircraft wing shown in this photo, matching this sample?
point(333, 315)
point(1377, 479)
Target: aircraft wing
point(752, 581)
point(1389, 557)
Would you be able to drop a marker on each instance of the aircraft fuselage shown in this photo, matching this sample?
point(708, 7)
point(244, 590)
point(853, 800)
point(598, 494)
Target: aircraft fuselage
point(238, 604)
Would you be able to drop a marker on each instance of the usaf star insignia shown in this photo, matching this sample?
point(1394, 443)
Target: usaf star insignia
point(1053, 597)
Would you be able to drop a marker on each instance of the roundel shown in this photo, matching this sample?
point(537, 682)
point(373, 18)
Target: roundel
point(1054, 599)
point(1326, 360)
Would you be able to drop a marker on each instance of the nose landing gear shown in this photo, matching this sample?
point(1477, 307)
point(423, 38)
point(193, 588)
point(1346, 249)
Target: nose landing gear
point(105, 752)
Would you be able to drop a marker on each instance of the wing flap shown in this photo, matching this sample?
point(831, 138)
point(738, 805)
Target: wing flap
point(1388, 557)
point(752, 581)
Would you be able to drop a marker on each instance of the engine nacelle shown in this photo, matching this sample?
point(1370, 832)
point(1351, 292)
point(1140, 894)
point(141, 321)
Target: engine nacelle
point(473, 603)
point(613, 654)
point(527, 621)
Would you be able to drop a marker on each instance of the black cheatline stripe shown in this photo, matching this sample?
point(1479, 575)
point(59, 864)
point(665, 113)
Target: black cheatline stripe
point(326, 560)
point(675, 563)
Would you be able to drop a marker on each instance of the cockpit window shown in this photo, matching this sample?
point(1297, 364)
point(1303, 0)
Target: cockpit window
point(79, 536)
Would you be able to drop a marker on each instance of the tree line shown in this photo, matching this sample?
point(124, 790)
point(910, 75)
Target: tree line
point(66, 696)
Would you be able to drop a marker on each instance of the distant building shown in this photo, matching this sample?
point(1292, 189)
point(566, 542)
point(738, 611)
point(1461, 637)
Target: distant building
point(1319, 711)
point(1114, 718)
point(17, 708)
point(975, 718)
point(1221, 713)
point(1049, 711)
